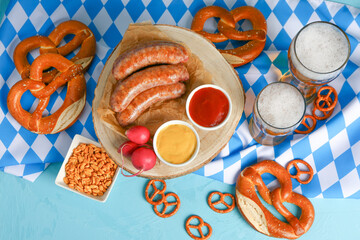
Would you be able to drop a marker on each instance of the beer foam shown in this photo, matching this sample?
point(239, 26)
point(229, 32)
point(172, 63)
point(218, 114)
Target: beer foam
point(281, 105)
point(322, 47)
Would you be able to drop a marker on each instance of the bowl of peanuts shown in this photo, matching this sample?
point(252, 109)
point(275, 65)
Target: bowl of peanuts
point(87, 170)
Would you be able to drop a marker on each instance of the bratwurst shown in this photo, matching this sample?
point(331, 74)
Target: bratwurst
point(125, 91)
point(147, 98)
point(147, 54)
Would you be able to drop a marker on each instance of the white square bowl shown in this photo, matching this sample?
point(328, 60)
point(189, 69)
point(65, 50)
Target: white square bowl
point(60, 177)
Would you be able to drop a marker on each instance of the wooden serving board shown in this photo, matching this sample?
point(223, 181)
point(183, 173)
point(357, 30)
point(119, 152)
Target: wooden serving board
point(211, 142)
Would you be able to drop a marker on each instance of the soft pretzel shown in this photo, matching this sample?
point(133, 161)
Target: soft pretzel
point(208, 12)
point(66, 115)
point(256, 37)
point(24, 47)
point(226, 26)
point(84, 38)
point(258, 215)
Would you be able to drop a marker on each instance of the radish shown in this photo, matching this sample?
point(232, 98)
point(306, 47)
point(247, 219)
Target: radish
point(142, 159)
point(138, 134)
point(127, 148)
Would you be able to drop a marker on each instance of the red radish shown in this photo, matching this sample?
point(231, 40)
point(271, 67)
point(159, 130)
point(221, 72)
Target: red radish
point(127, 148)
point(138, 134)
point(142, 159)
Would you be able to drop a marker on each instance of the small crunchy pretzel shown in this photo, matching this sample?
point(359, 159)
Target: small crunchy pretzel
point(309, 128)
point(198, 227)
point(326, 114)
point(74, 102)
point(328, 101)
point(264, 221)
point(150, 199)
point(229, 207)
point(226, 26)
point(163, 213)
point(299, 172)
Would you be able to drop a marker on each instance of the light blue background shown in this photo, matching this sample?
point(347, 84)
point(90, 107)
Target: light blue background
point(41, 210)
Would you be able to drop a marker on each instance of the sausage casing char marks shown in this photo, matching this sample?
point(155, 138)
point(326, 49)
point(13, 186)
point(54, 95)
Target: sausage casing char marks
point(125, 91)
point(147, 98)
point(146, 54)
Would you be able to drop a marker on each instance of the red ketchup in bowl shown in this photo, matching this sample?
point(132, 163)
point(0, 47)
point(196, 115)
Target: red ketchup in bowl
point(208, 107)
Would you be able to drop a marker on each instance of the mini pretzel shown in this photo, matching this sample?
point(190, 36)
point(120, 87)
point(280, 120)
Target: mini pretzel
point(326, 114)
point(299, 172)
point(208, 12)
point(326, 99)
point(83, 38)
point(163, 213)
point(150, 199)
point(229, 208)
point(264, 221)
point(309, 128)
point(226, 26)
point(66, 115)
point(198, 227)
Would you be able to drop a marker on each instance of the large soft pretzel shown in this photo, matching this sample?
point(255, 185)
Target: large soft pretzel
point(24, 47)
point(258, 215)
point(84, 38)
point(256, 37)
point(226, 26)
point(208, 12)
point(66, 115)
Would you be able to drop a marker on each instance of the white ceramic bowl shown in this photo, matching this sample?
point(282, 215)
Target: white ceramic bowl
point(188, 103)
point(59, 179)
point(173, 122)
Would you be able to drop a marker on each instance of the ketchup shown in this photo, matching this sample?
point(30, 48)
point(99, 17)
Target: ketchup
point(208, 107)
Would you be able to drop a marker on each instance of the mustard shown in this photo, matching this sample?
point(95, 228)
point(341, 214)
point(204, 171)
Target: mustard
point(176, 143)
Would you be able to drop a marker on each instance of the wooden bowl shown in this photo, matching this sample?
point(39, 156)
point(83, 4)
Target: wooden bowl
point(212, 142)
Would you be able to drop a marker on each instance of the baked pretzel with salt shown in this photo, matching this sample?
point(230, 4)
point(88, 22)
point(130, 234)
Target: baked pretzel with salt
point(258, 215)
point(226, 26)
point(74, 102)
point(83, 38)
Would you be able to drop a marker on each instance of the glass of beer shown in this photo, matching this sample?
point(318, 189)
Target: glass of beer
point(317, 55)
point(278, 110)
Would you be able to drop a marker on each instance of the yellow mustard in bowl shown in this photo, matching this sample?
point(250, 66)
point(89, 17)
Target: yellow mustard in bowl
point(176, 143)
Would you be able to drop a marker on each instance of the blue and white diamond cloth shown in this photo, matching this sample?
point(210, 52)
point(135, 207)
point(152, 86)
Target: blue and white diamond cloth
point(333, 149)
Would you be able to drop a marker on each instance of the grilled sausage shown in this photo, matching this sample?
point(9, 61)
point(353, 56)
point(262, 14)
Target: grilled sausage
point(146, 54)
point(145, 99)
point(125, 91)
